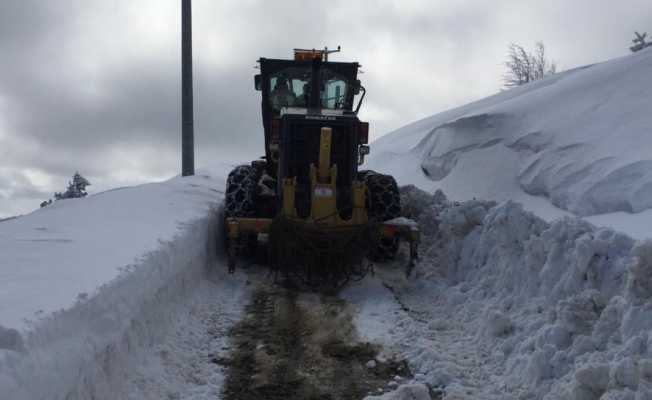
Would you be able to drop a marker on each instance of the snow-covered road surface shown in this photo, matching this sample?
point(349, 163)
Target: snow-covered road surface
point(241, 336)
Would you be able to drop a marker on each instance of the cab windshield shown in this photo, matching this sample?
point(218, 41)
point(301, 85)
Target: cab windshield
point(290, 87)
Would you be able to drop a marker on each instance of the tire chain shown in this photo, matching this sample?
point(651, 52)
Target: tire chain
point(384, 204)
point(240, 192)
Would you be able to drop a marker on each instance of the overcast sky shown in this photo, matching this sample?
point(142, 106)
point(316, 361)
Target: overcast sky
point(94, 86)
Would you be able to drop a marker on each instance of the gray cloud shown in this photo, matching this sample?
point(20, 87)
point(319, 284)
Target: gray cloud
point(94, 85)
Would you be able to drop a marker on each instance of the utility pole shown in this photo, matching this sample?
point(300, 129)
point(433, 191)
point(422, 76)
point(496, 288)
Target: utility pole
point(187, 124)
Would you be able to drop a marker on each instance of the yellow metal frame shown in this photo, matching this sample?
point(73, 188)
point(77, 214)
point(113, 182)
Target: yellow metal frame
point(323, 188)
point(323, 191)
point(324, 214)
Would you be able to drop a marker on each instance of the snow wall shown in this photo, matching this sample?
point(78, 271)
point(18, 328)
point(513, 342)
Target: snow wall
point(579, 139)
point(563, 310)
point(82, 352)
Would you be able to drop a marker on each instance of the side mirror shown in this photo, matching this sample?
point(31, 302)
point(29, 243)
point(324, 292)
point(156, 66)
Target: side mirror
point(257, 82)
point(363, 150)
point(356, 87)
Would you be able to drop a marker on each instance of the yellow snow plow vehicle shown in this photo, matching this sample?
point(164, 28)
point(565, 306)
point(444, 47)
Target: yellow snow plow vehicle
point(305, 205)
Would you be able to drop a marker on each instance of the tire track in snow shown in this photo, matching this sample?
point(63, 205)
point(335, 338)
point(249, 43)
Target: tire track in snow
point(302, 345)
point(288, 344)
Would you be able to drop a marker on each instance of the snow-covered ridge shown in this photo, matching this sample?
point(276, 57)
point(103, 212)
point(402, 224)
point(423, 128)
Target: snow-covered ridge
point(87, 283)
point(514, 307)
point(580, 138)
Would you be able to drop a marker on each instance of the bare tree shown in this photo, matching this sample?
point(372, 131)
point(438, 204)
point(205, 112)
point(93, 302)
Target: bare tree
point(524, 67)
point(542, 65)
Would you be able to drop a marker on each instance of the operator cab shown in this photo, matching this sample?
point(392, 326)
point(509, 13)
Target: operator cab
point(312, 87)
point(308, 81)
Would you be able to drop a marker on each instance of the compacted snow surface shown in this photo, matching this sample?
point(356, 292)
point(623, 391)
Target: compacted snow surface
point(576, 142)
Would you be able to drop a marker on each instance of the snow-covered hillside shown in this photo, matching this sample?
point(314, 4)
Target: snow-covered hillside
point(577, 142)
point(71, 248)
point(85, 283)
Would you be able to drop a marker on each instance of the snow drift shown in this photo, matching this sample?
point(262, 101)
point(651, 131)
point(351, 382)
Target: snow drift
point(580, 138)
point(508, 306)
point(88, 282)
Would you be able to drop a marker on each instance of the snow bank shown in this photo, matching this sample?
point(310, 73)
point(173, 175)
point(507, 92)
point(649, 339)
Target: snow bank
point(88, 282)
point(185, 365)
point(577, 141)
point(512, 306)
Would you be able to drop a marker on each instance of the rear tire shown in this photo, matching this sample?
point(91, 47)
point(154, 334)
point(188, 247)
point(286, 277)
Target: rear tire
point(383, 204)
point(240, 202)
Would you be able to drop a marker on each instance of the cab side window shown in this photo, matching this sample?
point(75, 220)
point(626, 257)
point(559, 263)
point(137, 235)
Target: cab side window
point(334, 90)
